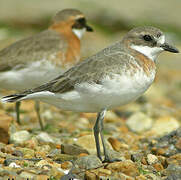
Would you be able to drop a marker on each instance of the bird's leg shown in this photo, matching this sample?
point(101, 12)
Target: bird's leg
point(17, 107)
point(37, 109)
point(97, 129)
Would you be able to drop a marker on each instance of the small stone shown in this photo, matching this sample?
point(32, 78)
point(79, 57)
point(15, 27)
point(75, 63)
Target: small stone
point(28, 153)
point(141, 177)
point(63, 157)
point(139, 122)
point(32, 143)
point(44, 137)
point(42, 177)
point(151, 159)
point(5, 123)
point(104, 171)
point(117, 145)
point(19, 137)
point(72, 149)
point(87, 142)
point(27, 175)
point(54, 152)
point(173, 170)
point(88, 162)
point(66, 165)
point(8, 161)
point(17, 153)
point(56, 173)
point(90, 176)
point(175, 159)
point(158, 167)
point(127, 167)
point(42, 163)
point(14, 165)
point(165, 125)
point(136, 157)
point(178, 144)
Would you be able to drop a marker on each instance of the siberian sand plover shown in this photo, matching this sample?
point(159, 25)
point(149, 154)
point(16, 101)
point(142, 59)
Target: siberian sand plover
point(35, 60)
point(113, 77)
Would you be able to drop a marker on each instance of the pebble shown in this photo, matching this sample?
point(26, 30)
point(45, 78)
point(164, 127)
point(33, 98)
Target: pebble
point(14, 165)
point(167, 144)
point(17, 153)
point(174, 170)
point(5, 123)
point(105, 171)
point(165, 125)
point(28, 153)
point(116, 144)
point(88, 162)
point(66, 165)
point(151, 159)
point(44, 137)
point(87, 142)
point(27, 175)
point(64, 157)
point(127, 167)
point(139, 122)
point(72, 149)
point(19, 137)
point(42, 163)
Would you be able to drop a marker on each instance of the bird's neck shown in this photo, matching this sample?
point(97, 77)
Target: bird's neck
point(72, 55)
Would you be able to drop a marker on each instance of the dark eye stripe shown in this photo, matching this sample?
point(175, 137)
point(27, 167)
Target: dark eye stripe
point(79, 23)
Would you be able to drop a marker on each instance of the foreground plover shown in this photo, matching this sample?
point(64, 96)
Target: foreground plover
point(35, 60)
point(113, 77)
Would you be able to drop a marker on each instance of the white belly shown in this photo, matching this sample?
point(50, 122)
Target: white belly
point(93, 97)
point(32, 76)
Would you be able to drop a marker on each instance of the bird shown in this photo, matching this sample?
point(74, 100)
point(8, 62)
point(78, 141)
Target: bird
point(115, 76)
point(31, 61)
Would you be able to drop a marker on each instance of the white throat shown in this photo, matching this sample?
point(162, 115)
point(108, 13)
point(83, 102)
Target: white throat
point(79, 32)
point(151, 52)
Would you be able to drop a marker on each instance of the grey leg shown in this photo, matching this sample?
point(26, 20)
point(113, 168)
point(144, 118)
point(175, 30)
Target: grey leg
point(98, 130)
point(17, 107)
point(37, 109)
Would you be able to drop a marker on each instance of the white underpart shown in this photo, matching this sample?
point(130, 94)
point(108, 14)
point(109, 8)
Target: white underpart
point(111, 93)
point(79, 32)
point(34, 75)
point(150, 52)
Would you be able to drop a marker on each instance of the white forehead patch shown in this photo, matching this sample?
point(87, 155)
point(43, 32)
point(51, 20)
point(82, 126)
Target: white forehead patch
point(79, 32)
point(161, 39)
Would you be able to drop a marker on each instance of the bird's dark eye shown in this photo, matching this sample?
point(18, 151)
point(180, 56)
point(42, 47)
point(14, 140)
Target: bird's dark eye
point(147, 38)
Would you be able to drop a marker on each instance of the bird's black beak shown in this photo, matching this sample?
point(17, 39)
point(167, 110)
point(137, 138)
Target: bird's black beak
point(168, 47)
point(88, 28)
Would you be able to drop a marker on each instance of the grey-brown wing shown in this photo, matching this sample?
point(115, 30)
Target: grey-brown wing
point(31, 49)
point(92, 70)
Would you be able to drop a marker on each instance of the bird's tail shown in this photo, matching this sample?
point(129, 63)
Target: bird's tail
point(13, 98)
